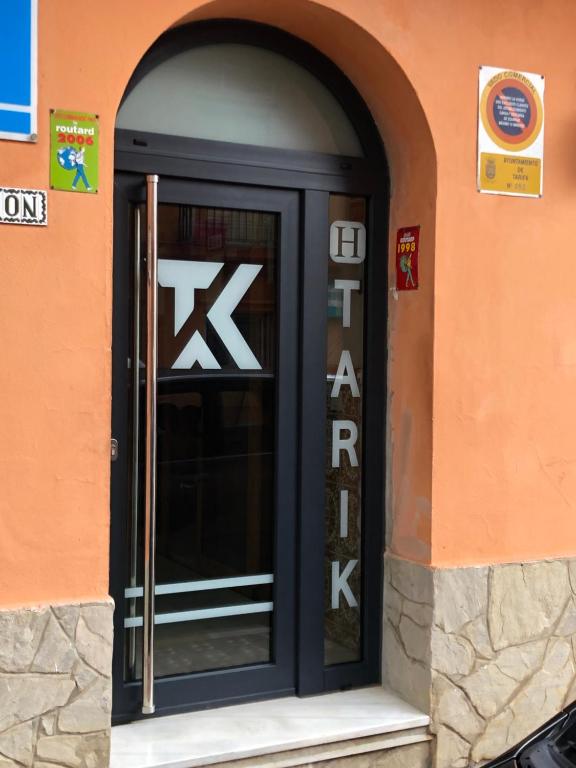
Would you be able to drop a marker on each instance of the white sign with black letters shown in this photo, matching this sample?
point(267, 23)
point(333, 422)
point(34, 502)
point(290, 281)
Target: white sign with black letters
point(23, 206)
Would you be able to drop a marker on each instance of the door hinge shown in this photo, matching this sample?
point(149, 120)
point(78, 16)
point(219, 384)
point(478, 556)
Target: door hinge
point(113, 449)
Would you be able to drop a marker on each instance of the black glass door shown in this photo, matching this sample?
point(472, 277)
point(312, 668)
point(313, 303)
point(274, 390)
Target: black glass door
point(226, 422)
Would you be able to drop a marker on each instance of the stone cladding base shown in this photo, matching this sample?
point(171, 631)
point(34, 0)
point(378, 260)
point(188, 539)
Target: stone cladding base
point(55, 685)
point(488, 652)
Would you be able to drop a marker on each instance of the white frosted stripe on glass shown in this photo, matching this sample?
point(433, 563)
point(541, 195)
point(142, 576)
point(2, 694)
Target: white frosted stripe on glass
point(205, 613)
point(202, 586)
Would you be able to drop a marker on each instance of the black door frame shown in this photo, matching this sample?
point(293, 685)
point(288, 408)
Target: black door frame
point(313, 176)
point(275, 678)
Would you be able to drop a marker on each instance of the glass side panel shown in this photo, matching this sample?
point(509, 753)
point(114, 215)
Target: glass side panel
point(241, 94)
point(215, 441)
point(344, 394)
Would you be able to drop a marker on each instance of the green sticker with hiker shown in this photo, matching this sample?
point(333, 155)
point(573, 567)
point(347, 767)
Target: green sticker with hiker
point(74, 143)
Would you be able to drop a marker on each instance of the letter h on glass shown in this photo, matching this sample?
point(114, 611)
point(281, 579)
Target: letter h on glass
point(347, 242)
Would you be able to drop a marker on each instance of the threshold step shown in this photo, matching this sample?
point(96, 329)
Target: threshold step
point(303, 730)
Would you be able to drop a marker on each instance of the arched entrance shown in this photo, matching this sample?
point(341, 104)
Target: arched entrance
point(248, 385)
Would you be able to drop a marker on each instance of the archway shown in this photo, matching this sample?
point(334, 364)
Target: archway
point(372, 65)
point(191, 164)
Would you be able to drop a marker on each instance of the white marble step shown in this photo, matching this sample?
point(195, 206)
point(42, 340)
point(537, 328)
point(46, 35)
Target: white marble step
point(245, 731)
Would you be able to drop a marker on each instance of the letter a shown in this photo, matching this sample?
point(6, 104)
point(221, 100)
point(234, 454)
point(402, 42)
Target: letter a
point(345, 375)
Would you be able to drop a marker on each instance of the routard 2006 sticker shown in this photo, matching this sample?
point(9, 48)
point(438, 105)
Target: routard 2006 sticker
point(74, 149)
point(510, 132)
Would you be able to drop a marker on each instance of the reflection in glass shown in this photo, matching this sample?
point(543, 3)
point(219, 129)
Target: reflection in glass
point(216, 455)
point(344, 392)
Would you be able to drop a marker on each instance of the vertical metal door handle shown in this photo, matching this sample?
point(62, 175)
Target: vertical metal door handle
point(134, 544)
point(151, 387)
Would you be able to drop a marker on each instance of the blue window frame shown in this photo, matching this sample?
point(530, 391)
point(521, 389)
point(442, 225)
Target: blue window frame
point(18, 67)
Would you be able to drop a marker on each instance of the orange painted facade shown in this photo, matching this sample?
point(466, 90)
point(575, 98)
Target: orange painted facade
point(482, 364)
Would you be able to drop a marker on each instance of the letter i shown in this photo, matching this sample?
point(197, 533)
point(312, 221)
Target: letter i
point(343, 514)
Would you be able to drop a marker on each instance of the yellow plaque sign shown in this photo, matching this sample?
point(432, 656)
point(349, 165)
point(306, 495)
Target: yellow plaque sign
point(510, 157)
point(513, 175)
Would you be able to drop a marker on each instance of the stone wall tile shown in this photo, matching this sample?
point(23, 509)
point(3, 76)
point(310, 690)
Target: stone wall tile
point(567, 625)
point(572, 575)
point(20, 634)
point(56, 652)
point(22, 698)
point(477, 633)
point(84, 675)
point(95, 650)
point(71, 751)
point(90, 711)
point(526, 601)
point(502, 651)
point(60, 749)
point(460, 596)
point(409, 678)
point(570, 694)
point(558, 656)
point(419, 612)
point(97, 617)
point(18, 743)
point(494, 740)
point(489, 689)
point(42, 682)
point(47, 724)
point(67, 615)
point(521, 661)
point(452, 709)
point(392, 604)
point(42, 764)
point(544, 694)
point(412, 580)
point(548, 676)
point(416, 640)
point(451, 750)
point(451, 655)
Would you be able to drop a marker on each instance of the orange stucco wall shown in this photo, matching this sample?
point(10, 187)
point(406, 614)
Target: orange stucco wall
point(482, 363)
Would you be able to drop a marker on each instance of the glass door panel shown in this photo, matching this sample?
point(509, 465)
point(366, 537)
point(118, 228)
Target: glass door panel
point(215, 442)
point(344, 439)
point(225, 446)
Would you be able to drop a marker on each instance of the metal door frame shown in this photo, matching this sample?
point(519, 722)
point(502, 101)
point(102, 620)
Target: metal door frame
point(312, 177)
point(276, 678)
